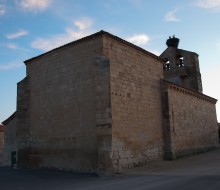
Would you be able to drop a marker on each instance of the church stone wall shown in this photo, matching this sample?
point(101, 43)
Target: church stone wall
point(1, 141)
point(23, 123)
point(101, 105)
point(137, 134)
point(9, 141)
point(190, 121)
point(63, 108)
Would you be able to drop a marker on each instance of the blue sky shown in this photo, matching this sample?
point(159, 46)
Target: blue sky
point(31, 27)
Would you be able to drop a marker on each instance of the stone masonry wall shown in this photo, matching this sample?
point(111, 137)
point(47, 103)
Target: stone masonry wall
point(63, 108)
point(9, 141)
point(190, 121)
point(23, 123)
point(137, 134)
point(103, 115)
point(188, 74)
point(1, 141)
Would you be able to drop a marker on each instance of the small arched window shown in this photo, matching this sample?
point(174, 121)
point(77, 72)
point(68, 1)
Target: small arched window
point(167, 65)
point(180, 61)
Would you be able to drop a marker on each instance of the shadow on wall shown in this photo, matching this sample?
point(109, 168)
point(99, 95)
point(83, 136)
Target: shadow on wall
point(1, 142)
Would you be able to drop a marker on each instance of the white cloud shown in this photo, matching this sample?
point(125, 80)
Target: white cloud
point(138, 39)
point(2, 10)
point(70, 35)
point(33, 5)
point(84, 23)
point(10, 66)
point(171, 17)
point(47, 44)
point(17, 34)
point(207, 3)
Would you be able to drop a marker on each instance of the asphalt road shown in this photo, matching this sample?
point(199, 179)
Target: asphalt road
point(195, 172)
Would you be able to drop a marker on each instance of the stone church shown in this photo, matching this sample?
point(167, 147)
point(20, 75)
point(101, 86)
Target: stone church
point(101, 105)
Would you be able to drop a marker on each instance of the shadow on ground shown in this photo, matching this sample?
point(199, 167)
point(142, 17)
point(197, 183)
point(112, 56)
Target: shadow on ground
point(196, 172)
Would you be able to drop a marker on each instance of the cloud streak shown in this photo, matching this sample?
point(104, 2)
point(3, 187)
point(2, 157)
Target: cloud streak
point(11, 46)
point(207, 3)
point(10, 66)
point(15, 47)
point(47, 44)
point(83, 29)
point(17, 34)
point(2, 10)
point(171, 17)
point(33, 5)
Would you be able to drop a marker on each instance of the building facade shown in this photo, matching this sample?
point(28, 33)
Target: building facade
point(1, 142)
point(102, 105)
point(10, 147)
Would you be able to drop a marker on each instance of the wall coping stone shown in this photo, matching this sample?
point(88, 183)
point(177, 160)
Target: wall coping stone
point(190, 92)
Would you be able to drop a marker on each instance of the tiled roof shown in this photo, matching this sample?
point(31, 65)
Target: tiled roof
point(100, 33)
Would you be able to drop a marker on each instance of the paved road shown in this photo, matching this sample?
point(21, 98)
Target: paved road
point(196, 172)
